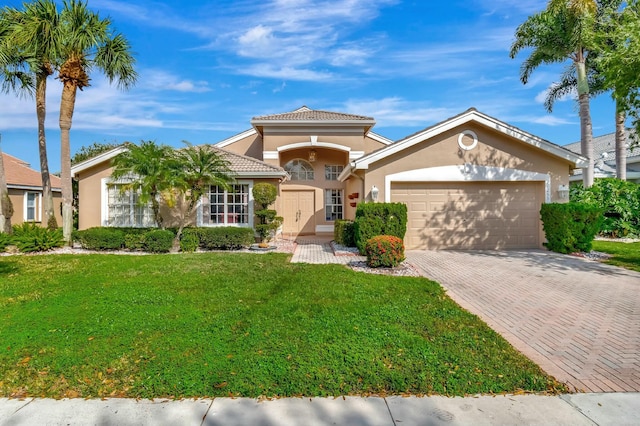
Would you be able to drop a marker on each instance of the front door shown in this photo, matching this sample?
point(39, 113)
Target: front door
point(299, 212)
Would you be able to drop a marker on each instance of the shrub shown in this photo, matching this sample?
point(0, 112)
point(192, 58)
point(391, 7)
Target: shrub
point(5, 240)
point(158, 241)
point(134, 241)
point(100, 238)
point(30, 237)
point(570, 227)
point(373, 219)
point(620, 202)
point(189, 241)
point(264, 194)
point(384, 251)
point(225, 238)
point(343, 233)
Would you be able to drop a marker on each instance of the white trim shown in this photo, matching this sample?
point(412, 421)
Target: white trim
point(199, 215)
point(292, 128)
point(317, 144)
point(379, 138)
point(84, 165)
point(37, 208)
point(270, 155)
point(277, 125)
point(32, 188)
point(236, 138)
point(464, 118)
point(467, 173)
point(324, 228)
point(473, 136)
point(354, 155)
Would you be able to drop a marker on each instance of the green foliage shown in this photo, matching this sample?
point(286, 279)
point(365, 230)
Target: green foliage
point(620, 202)
point(158, 241)
point(134, 241)
point(5, 241)
point(344, 232)
point(570, 227)
point(384, 251)
point(626, 255)
point(264, 194)
point(373, 219)
point(215, 324)
point(189, 241)
point(225, 237)
point(101, 238)
point(29, 237)
point(96, 148)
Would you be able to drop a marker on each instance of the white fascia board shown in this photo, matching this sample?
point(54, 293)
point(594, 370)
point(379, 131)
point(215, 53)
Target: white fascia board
point(261, 174)
point(32, 188)
point(471, 116)
point(323, 123)
point(379, 138)
point(236, 138)
point(105, 156)
point(314, 145)
point(345, 173)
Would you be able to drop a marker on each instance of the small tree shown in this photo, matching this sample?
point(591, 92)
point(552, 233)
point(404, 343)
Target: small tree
point(264, 194)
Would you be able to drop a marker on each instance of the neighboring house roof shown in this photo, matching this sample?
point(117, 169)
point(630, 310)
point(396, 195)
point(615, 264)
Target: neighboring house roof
point(242, 165)
point(604, 153)
point(471, 115)
point(20, 175)
point(305, 115)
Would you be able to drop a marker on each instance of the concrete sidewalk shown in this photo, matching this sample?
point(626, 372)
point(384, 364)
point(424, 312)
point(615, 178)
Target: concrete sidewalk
point(570, 409)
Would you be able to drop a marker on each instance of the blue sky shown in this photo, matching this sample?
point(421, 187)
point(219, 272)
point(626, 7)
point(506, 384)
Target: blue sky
point(206, 68)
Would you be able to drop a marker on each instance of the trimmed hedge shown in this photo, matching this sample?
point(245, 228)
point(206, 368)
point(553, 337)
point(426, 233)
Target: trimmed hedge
point(344, 233)
point(225, 237)
point(570, 227)
point(189, 241)
point(384, 251)
point(158, 241)
point(373, 219)
point(100, 238)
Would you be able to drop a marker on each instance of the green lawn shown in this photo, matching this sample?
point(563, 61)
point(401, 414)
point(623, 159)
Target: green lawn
point(626, 255)
point(219, 324)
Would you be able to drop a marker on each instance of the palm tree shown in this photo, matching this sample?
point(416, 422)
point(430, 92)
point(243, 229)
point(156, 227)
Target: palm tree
point(562, 31)
point(34, 32)
point(87, 43)
point(143, 168)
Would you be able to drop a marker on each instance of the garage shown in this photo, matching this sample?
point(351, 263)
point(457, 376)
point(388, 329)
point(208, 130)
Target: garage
point(471, 215)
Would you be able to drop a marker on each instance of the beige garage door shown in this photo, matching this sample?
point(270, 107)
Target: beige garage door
point(471, 215)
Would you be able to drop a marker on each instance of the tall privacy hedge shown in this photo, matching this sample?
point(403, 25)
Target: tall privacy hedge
point(570, 227)
point(373, 219)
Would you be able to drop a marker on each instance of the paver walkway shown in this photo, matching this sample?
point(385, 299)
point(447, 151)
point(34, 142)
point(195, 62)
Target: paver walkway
point(578, 319)
point(318, 250)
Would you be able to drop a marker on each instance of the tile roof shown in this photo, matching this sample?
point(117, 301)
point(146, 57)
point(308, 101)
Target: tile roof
point(306, 114)
point(243, 164)
point(606, 144)
point(19, 173)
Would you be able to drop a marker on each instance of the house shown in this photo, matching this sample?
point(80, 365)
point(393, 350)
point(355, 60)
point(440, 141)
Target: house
point(471, 181)
point(604, 151)
point(25, 191)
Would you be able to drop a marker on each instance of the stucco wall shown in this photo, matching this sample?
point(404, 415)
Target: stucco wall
point(17, 197)
point(250, 146)
point(90, 195)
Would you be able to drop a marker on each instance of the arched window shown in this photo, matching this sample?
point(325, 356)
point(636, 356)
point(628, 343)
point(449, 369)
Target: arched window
point(299, 170)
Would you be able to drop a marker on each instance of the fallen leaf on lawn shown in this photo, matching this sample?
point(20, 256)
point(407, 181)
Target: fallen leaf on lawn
point(220, 385)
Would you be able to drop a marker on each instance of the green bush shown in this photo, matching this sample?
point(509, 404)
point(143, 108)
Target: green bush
point(100, 238)
point(158, 241)
point(189, 241)
point(5, 241)
point(620, 202)
point(134, 241)
point(264, 194)
point(225, 238)
point(384, 251)
point(30, 237)
point(570, 227)
point(343, 232)
point(373, 219)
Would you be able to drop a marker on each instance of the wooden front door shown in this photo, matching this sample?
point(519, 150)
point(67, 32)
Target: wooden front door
point(299, 212)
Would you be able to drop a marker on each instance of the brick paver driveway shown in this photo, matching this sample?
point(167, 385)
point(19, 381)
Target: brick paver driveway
point(578, 319)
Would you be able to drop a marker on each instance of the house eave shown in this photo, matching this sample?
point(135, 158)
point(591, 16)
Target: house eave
point(98, 159)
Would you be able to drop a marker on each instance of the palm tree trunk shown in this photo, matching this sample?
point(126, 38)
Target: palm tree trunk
point(621, 141)
point(586, 130)
point(41, 112)
point(67, 105)
point(6, 208)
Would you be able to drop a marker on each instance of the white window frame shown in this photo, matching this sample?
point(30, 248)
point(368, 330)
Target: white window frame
point(328, 197)
point(37, 206)
point(332, 171)
point(200, 221)
point(104, 208)
point(306, 165)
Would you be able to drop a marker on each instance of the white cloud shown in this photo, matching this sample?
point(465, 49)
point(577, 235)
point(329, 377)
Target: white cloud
point(285, 73)
point(161, 80)
point(395, 111)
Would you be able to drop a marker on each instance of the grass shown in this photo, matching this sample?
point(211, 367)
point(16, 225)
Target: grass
point(626, 255)
point(219, 324)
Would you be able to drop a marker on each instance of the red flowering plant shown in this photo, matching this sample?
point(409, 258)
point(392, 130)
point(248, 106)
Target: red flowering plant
point(384, 251)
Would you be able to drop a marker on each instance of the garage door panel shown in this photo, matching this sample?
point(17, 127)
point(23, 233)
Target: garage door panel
point(471, 215)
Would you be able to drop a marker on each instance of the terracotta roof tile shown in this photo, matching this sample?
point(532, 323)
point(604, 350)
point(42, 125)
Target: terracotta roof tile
point(307, 114)
point(244, 164)
point(19, 172)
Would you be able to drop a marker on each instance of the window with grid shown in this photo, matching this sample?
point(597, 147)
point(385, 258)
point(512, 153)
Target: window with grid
point(333, 204)
point(32, 199)
point(227, 207)
point(299, 169)
point(331, 172)
point(125, 210)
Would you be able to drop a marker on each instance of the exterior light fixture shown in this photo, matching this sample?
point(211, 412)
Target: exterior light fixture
point(374, 193)
point(563, 191)
point(312, 155)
